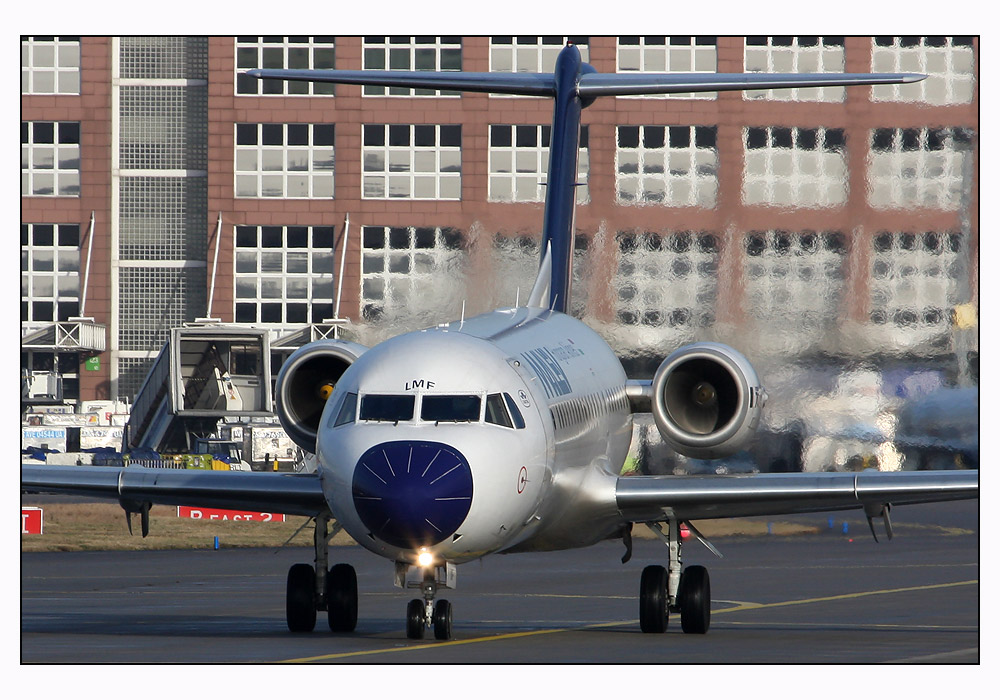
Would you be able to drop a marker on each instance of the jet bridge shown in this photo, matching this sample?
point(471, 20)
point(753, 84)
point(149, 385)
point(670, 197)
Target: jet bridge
point(203, 374)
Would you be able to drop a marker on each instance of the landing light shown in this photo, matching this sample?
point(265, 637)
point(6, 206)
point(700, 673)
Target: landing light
point(425, 559)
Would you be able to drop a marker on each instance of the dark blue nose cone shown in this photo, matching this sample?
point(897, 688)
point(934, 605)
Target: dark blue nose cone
point(412, 494)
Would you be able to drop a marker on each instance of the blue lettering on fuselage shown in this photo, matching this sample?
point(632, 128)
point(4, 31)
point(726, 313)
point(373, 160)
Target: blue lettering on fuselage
point(552, 376)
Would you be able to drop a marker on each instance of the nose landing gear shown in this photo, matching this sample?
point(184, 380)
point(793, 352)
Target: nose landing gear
point(427, 614)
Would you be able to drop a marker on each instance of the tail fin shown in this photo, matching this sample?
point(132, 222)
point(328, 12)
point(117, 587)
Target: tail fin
point(574, 85)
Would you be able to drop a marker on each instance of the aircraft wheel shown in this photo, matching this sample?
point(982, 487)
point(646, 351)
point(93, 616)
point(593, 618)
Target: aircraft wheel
point(300, 598)
point(342, 598)
point(415, 619)
point(442, 620)
point(695, 600)
point(653, 599)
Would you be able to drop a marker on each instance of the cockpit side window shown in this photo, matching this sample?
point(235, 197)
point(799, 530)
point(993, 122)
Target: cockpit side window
point(387, 407)
point(347, 410)
point(515, 412)
point(496, 413)
point(452, 408)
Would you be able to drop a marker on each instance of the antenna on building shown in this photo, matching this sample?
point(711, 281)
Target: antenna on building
point(215, 264)
point(340, 278)
point(86, 269)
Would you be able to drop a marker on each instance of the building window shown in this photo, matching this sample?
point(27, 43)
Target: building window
point(795, 54)
point(667, 281)
point(412, 161)
point(283, 52)
point(794, 281)
point(519, 158)
point(284, 274)
point(50, 65)
point(920, 167)
point(948, 61)
point(514, 259)
point(437, 53)
point(50, 272)
point(792, 166)
point(669, 54)
point(409, 270)
point(674, 166)
point(50, 159)
point(290, 161)
point(532, 54)
point(914, 280)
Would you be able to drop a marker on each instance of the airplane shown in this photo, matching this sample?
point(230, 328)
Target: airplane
point(506, 432)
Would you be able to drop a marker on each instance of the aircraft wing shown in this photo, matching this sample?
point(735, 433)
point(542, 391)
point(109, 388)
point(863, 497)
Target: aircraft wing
point(292, 494)
point(656, 498)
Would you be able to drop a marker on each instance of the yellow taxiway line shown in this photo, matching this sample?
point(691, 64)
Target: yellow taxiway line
point(739, 607)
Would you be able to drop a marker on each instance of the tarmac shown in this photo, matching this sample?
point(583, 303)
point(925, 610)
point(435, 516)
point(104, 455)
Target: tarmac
point(830, 598)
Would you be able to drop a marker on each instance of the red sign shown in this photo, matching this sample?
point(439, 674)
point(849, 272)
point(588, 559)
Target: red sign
point(217, 514)
point(31, 520)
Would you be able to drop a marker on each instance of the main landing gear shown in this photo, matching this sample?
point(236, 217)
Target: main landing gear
point(311, 588)
point(428, 614)
point(665, 590)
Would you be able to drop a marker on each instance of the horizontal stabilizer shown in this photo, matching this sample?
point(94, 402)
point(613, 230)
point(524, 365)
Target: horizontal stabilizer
point(591, 84)
point(533, 84)
point(609, 84)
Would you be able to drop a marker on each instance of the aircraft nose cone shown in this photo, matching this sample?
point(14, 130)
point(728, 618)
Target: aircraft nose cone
point(411, 493)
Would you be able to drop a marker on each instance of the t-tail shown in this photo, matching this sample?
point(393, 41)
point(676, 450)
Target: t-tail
point(573, 86)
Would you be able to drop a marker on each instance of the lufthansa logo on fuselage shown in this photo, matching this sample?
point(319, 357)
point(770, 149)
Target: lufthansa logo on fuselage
point(546, 366)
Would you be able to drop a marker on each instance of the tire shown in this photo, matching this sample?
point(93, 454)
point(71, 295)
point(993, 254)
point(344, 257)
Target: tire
point(442, 620)
point(300, 598)
point(653, 599)
point(695, 600)
point(342, 598)
point(415, 619)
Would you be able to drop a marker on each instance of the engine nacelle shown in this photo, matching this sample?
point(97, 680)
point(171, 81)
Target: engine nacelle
point(306, 381)
point(706, 400)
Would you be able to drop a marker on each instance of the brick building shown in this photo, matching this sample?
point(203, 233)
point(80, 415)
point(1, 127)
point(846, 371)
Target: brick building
point(160, 186)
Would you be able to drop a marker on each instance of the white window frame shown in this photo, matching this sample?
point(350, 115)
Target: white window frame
point(43, 161)
point(791, 171)
point(63, 278)
point(794, 280)
point(949, 63)
point(281, 267)
point(668, 54)
point(668, 175)
point(918, 167)
point(407, 170)
point(518, 173)
point(283, 171)
point(666, 282)
point(285, 45)
point(389, 49)
point(795, 54)
point(64, 68)
point(530, 54)
point(411, 260)
point(913, 283)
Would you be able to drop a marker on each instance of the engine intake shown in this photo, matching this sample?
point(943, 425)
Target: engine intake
point(306, 381)
point(706, 400)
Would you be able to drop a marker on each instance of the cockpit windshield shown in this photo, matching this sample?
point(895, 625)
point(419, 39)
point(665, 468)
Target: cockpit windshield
point(452, 408)
point(387, 407)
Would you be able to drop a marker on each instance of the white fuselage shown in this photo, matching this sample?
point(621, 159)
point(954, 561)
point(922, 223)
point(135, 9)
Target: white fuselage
point(528, 461)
